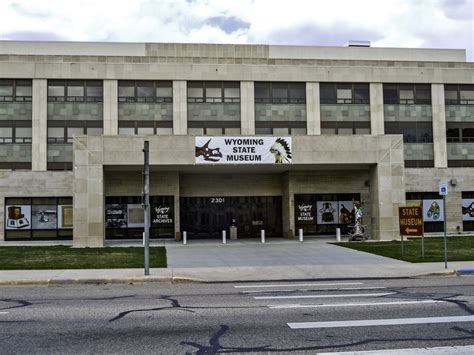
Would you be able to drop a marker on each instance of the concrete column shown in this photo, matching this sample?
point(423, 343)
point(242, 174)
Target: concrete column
point(439, 126)
point(313, 109)
point(111, 107)
point(180, 108)
point(89, 197)
point(288, 208)
point(247, 108)
point(387, 191)
point(453, 209)
point(376, 109)
point(39, 125)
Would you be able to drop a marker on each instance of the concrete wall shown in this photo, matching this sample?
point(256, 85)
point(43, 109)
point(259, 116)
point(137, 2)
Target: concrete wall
point(408, 113)
point(341, 113)
point(460, 113)
point(80, 111)
point(145, 112)
point(214, 112)
point(16, 111)
point(280, 112)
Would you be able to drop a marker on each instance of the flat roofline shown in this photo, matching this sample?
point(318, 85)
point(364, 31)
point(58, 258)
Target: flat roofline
point(143, 49)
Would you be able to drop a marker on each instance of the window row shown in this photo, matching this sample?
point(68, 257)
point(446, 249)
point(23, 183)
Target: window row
point(66, 133)
point(149, 91)
point(460, 134)
point(145, 91)
point(459, 94)
point(15, 135)
point(75, 90)
point(12, 90)
point(413, 132)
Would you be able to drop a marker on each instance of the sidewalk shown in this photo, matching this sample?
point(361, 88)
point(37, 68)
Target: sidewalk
point(236, 261)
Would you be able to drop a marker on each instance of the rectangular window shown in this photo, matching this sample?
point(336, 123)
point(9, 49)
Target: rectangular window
point(23, 134)
point(19, 90)
point(6, 135)
point(344, 93)
point(407, 94)
point(280, 92)
point(461, 94)
point(56, 135)
point(146, 91)
point(75, 90)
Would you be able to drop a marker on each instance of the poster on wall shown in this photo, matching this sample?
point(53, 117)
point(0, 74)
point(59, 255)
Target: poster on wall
point(414, 203)
point(468, 209)
point(116, 215)
point(18, 217)
point(243, 150)
point(161, 214)
point(305, 213)
point(433, 210)
point(44, 217)
point(346, 212)
point(136, 217)
point(327, 212)
point(65, 216)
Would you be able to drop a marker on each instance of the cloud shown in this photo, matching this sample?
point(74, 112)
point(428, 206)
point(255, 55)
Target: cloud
point(388, 23)
point(32, 36)
point(228, 24)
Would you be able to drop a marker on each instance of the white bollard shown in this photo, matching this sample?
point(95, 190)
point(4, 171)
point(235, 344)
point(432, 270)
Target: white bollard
point(185, 238)
point(300, 234)
point(262, 234)
point(338, 234)
point(224, 241)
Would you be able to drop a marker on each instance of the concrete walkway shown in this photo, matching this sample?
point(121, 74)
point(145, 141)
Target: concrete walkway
point(247, 261)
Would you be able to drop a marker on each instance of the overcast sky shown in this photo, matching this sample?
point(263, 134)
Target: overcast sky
point(386, 23)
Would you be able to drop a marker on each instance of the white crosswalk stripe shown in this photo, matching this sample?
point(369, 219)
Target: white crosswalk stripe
point(319, 289)
point(325, 296)
point(301, 284)
point(367, 304)
point(3, 312)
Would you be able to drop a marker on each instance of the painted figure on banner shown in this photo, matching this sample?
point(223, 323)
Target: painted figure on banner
point(208, 154)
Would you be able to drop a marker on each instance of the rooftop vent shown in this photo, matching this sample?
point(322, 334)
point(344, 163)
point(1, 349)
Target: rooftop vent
point(358, 43)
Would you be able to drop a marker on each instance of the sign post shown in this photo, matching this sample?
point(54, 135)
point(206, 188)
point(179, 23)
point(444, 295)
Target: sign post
point(146, 207)
point(443, 191)
point(410, 223)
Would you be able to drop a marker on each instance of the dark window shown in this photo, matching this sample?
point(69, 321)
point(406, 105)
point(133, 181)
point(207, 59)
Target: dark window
point(460, 132)
point(213, 91)
point(280, 92)
point(145, 91)
point(461, 94)
point(344, 93)
point(18, 90)
point(345, 127)
point(75, 90)
point(413, 132)
point(406, 94)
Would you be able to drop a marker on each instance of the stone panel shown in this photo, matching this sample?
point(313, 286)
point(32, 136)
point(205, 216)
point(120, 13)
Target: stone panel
point(280, 112)
point(411, 113)
point(214, 112)
point(60, 153)
point(15, 111)
point(15, 153)
point(460, 113)
point(75, 111)
point(418, 151)
point(145, 112)
point(460, 151)
point(342, 112)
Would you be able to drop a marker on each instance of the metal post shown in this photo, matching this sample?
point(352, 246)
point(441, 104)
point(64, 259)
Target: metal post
point(224, 238)
point(445, 238)
point(423, 246)
point(185, 238)
point(300, 234)
point(262, 235)
point(338, 235)
point(401, 244)
point(146, 205)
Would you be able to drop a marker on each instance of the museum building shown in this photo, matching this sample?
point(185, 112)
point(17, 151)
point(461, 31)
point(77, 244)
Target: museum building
point(257, 137)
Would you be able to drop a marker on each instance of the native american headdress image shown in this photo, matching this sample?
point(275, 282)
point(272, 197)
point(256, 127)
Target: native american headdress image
point(208, 154)
point(281, 151)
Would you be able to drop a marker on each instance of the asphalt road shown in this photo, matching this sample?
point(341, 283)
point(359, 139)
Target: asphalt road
point(300, 317)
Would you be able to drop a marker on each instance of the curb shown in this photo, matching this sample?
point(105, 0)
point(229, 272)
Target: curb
point(439, 273)
point(131, 280)
point(464, 271)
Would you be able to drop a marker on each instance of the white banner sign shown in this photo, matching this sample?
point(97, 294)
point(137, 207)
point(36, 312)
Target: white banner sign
point(243, 150)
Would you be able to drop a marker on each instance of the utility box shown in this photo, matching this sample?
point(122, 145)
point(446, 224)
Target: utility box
point(233, 232)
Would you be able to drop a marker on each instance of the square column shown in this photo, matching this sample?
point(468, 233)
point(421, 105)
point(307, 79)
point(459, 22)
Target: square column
point(39, 126)
point(376, 109)
point(111, 107)
point(313, 109)
point(89, 200)
point(247, 108)
point(180, 108)
point(439, 126)
point(387, 191)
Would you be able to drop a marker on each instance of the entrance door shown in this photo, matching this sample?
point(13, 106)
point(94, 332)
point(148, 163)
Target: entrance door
point(207, 217)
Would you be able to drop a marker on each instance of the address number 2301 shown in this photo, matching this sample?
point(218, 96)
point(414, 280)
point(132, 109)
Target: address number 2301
point(217, 200)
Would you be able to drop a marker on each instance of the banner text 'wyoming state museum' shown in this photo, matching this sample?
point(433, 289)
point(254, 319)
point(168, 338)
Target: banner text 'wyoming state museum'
point(243, 150)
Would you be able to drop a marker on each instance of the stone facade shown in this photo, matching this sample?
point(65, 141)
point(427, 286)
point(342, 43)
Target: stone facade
point(110, 165)
point(15, 153)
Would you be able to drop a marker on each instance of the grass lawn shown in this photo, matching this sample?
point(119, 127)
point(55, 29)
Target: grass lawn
point(64, 257)
point(459, 249)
